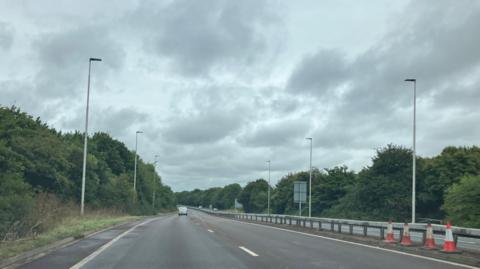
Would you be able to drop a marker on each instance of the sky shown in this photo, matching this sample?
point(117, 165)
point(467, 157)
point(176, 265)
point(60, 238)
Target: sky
point(219, 87)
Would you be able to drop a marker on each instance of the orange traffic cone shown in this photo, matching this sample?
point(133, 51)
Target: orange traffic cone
point(390, 238)
point(449, 245)
point(406, 241)
point(429, 240)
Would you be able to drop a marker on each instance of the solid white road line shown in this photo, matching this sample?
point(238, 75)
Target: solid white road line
point(210, 230)
point(362, 245)
point(100, 250)
point(248, 251)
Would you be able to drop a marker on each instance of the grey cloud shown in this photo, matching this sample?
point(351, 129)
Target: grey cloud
point(279, 133)
point(214, 104)
point(375, 107)
point(319, 73)
point(119, 122)
point(19, 94)
point(204, 127)
point(6, 35)
point(63, 59)
point(197, 37)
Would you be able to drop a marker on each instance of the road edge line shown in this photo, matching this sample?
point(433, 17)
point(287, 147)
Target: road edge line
point(362, 245)
point(36, 253)
point(107, 245)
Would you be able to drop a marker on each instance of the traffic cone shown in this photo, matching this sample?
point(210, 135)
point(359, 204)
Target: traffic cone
point(390, 238)
point(449, 245)
point(429, 240)
point(406, 241)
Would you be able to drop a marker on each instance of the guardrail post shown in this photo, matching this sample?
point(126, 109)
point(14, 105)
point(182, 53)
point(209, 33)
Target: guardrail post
point(424, 237)
point(319, 225)
point(382, 233)
point(304, 223)
point(331, 226)
point(350, 228)
point(365, 230)
point(290, 221)
point(340, 227)
point(455, 238)
point(311, 224)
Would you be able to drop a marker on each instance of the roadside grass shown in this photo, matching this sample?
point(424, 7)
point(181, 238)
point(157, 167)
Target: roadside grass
point(74, 226)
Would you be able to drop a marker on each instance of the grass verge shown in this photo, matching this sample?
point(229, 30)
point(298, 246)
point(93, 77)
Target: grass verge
point(70, 227)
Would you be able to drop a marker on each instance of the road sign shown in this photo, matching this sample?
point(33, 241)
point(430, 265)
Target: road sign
point(237, 204)
point(299, 192)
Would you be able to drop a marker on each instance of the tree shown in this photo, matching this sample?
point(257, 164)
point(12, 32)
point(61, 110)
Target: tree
point(444, 170)
point(282, 197)
point(254, 196)
point(35, 158)
point(329, 188)
point(16, 196)
point(383, 190)
point(226, 197)
point(462, 202)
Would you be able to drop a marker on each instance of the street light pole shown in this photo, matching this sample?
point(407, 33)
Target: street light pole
point(310, 181)
point(135, 168)
point(268, 193)
point(154, 185)
point(414, 144)
point(84, 169)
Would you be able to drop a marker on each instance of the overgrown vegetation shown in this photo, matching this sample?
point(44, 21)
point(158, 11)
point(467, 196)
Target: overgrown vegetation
point(73, 226)
point(41, 170)
point(448, 187)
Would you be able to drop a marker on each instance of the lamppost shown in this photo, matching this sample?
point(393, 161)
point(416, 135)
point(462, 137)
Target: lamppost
point(414, 143)
point(84, 169)
point(310, 181)
point(154, 185)
point(268, 193)
point(135, 169)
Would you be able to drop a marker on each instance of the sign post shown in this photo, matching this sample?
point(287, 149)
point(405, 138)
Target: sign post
point(300, 194)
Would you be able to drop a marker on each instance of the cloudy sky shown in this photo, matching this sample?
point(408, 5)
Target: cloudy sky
point(219, 86)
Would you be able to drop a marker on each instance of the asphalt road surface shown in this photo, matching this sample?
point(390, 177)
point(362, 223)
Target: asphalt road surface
point(203, 241)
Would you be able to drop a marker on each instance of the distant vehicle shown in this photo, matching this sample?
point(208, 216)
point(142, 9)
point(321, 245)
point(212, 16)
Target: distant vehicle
point(182, 211)
point(215, 209)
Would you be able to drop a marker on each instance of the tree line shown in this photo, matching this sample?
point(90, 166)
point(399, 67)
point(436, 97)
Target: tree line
point(447, 187)
point(36, 159)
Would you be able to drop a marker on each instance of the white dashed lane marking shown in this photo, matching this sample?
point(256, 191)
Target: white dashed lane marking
point(248, 251)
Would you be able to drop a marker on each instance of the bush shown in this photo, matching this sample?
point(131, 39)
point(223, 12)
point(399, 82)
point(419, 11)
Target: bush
point(16, 204)
point(462, 202)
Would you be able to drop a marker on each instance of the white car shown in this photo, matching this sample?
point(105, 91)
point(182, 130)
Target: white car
point(182, 211)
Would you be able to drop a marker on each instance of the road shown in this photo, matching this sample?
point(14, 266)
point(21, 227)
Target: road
point(203, 241)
